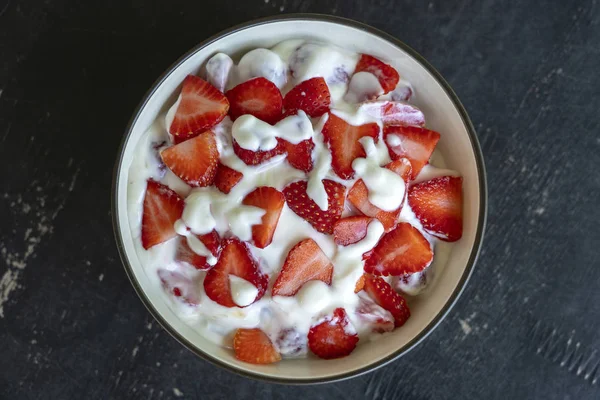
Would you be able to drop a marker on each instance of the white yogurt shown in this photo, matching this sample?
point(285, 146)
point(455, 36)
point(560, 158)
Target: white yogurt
point(253, 134)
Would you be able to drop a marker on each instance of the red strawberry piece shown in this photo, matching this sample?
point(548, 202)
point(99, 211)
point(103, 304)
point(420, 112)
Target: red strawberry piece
point(254, 346)
point(438, 204)
point(358, 195)
point(298, 201)
point(185, 254)
point(312, 96)
point(235, 259)
point(181, 286)
point(386, 74)
point(331, 338)
point(350, 230)
point(383, 294)
point(394, 113)
point(259, 97)
point(195, 161)
point(300, 155)
point(305, 262)
point(344, 145)
point(378, 318)
point(415, 143)
point(226, 178)
point(162, 207)
point(250, 157)
point(404, 250)
point(202, 106)
point(271, 200)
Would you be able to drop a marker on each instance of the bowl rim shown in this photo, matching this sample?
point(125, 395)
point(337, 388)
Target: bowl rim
point(482, 218)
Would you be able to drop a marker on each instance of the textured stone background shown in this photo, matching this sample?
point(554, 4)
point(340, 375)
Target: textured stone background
point(71, 73)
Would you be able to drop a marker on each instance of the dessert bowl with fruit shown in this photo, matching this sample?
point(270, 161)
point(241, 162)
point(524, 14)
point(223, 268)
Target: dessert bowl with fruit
point(300, 199)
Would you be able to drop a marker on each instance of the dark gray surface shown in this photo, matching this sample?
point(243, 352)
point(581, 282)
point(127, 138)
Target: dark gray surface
point(72, 326)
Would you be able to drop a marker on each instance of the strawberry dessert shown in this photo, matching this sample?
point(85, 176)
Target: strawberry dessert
point(286, 205)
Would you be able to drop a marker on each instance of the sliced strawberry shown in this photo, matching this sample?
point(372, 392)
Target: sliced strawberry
point(202, 106)
point(195, 161)
point(358, 195)
point(162, 207)
point(415, 143)
point(300, 155)
point(350, 230)
point(271, 200)
point(312, 96)
point(226, 178)
point(438, 204)
point(373, 315)
point(235, 259)
point(393, 113)
point(259, 97)
point(331, 338)
point(403, 250)
point(299, 202)
point(305, 262)
point(383, 294)
point(250, 157)
point(386, 74)
point(344, 145)
point(360, 283)
point(254, 346)
point(185, 254)
point(181, 286)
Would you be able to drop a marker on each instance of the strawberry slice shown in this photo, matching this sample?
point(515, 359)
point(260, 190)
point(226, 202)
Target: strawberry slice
point(438, 204)
point(259, 97)
point(195, 161)
point(162, 207)
point(298, 201)
point(181, 286)
point(300, 155)
point(373, 315)
point(235, 259)
point(358, 195)
point(383, 294)
point(415, 143)
point(250, 157)
point(312, 96)
point(350, 230)
point(185, 254)
point(271, 200)
point(393, 113)
point(305, 262)
point(202, 106)
point(386, 74)
point(226, 178)
point(331, 339)
point(360, 283)
point(344, 145)
point(254, 346)
point(403, 250)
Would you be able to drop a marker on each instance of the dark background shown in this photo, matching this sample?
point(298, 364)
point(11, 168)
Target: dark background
point(71, 74)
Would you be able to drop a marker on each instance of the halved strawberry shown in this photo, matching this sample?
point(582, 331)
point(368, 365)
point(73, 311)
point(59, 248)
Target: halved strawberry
point(250, 157)
point(373, 315)
point(312, 96)
point(195, 161)
point(254, 346)
point(403, 250)
point(305, 262)
point(386, 74)
point(415, 143)
point(383, 294)
point(344, 145)
point(259, 97)
point(202, 106)
point(350, 230)
point(162, 207)
point(226, 178)
point(358, 195)
point(185, 254)
point(300, 155)
point(331, 338)
point(438, 204)
point(271, 200)
point(299, 202)
point(235, 259)
point(393, 112)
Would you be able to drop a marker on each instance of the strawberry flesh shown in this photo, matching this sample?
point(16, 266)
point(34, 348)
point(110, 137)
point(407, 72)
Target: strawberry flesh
point(162, 207)
point(416, 144)
point(185, 254)
point(350, 230)
point(271, 200)
point(250, 157)
point(312, 96)
point(254, 346)
point(383, 294)
point(259, 97)
point(386, 74)
point(332, 338)
point(195, 161)
point(300, 155)
point(393, 112)
point(226, 178)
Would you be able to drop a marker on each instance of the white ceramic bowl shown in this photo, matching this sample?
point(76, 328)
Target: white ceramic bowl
point(458, 145)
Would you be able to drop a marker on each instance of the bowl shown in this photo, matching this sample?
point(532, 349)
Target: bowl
point(458, 145)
